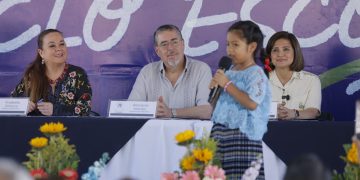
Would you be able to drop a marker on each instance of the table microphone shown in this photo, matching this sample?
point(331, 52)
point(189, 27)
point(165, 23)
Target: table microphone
point(224, 64)
point(287, 97)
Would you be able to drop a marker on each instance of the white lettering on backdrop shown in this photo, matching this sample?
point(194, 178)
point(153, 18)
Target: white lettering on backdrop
point(54, 19)
point(245, 12)
point(345, 19)
point(318, 39)
point(123, 14)
point(192, 21)
point(353, 87)
point(24, 37)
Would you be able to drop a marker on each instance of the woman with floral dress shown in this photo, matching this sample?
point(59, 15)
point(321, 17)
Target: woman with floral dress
point(54, 87)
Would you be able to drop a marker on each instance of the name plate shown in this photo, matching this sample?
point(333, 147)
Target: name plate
point(132, 109)
point(357, 119)
point(273, 110)
point(14, 106)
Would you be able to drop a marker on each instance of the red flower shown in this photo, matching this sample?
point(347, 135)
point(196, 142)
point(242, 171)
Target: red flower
point(68, 174)
point(72, 74)
point(39, 174)
point(267, 65)
point(85, 96)
point(77, 110)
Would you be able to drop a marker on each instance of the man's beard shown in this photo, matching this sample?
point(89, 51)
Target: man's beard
point(174, 64)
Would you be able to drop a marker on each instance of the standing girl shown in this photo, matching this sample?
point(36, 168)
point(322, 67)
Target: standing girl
point(241, 114)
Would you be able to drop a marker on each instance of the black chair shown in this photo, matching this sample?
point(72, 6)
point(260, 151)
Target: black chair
point(93, 114)
point(326, 116)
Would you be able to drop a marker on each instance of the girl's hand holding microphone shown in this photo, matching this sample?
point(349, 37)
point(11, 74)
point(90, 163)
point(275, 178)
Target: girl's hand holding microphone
point(219, 79)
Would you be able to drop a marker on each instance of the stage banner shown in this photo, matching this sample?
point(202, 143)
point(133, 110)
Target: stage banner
point(113, 39)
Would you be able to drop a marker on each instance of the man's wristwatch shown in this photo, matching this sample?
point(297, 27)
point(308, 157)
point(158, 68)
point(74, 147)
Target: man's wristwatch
point(297, 114)
point(173, 113)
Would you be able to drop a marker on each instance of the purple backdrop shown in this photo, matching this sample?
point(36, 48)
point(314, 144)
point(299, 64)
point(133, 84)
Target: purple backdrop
point(112, 40)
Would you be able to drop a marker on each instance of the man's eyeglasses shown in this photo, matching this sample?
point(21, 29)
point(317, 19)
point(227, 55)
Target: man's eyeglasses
point(166, 44)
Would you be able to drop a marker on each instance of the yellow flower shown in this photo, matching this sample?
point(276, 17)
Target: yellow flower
point(204, 155)
point(52, 128)
point(185, 136)
point(38, 142)
point(352, 154)
point(187, 163)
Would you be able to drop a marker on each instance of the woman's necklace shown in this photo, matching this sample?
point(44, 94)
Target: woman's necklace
point(60, 77)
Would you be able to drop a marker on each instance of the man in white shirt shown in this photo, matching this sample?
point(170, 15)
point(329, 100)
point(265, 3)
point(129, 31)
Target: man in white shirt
point(178, 83)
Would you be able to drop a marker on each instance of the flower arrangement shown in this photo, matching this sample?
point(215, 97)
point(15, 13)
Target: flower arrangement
point(95, 170)
point(352, 167)
point(199, 161)
point(52, 155)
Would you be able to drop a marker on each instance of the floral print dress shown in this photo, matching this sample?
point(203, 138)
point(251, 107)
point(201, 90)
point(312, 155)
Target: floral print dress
point(72, 95)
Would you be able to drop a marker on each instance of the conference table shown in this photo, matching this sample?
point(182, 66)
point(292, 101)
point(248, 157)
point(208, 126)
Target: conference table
point(96, 135)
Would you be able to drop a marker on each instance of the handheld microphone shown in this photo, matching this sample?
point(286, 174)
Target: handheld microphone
point(224, 64)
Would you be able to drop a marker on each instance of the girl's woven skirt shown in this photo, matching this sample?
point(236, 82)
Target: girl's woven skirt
point(236, 151)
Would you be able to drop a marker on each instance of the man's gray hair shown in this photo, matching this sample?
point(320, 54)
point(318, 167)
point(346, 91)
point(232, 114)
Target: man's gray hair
point(166, 27)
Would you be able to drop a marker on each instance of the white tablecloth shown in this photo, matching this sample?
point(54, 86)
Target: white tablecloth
point(153, 150)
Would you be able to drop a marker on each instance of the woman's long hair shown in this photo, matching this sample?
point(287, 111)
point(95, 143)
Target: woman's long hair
point(35, 79)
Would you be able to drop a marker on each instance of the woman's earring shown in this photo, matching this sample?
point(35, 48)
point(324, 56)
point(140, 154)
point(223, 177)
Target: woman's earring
point(42, 61)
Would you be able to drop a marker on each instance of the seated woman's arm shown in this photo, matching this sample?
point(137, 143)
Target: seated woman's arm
point(309, 113)
point(313, 103)
point(19, 90)
point(286, 113)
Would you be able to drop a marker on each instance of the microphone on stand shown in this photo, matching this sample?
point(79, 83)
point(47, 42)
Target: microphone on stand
point(224, 64)
point(287, 97)
point(284, 98)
